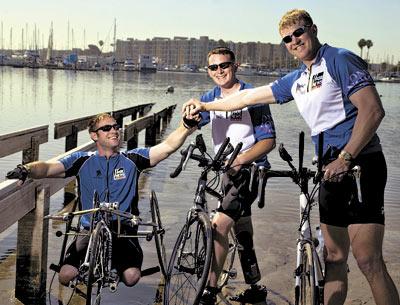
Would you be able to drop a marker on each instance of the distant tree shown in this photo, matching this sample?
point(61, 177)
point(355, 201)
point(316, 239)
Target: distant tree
point(361, 44)
point(368, 44)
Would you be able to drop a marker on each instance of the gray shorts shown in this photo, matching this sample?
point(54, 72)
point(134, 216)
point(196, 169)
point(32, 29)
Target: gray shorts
point(237, 195)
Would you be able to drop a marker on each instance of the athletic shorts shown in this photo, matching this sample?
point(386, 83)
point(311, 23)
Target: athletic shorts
point(126, 252)
point(237, 195)
point(338, 201)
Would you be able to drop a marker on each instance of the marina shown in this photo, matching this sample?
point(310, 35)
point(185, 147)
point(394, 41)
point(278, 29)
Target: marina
point(37, 97)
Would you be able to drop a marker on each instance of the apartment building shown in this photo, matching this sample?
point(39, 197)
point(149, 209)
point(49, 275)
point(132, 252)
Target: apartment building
point(178, 51)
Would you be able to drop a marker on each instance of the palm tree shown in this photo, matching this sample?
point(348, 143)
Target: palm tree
point(362, 43)
point(368, 44)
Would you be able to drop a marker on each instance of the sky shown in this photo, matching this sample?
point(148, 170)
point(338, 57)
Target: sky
point(341, 23)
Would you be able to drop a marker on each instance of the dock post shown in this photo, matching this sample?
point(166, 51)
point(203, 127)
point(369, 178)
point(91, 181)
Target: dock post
point(151, 133)
point(31, 154)
point(133, 142)
point(71, 141)
point(31, 264)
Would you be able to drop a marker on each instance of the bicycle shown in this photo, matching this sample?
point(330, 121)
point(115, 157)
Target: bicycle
point(309, 272)
point(96, 270)
point(191, 256)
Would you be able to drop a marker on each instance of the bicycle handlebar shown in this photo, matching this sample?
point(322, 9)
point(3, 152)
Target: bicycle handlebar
point(216, 164)
point(233, 156)
point(109, 207)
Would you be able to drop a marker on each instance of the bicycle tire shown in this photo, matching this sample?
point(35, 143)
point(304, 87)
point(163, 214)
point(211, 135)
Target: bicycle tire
point(230, 258)
point(98, 264)
point(158, 233)
point(190, 262)
point(307, 294)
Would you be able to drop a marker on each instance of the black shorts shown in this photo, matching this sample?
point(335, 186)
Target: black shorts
point(126, 252)
point(339, 204)
point(238, 196)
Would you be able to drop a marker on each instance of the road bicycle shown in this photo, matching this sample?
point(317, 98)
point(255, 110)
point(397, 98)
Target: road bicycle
point(96, 271)
point(309, 272)
point(191, 256)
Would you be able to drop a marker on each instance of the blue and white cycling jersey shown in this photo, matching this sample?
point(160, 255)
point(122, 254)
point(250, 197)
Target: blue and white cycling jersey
point(322, 94)
point(248, 125)
point(115, 179)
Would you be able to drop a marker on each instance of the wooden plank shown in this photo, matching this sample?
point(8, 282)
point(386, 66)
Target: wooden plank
point(17, 141)
point(16, 201)
point(129, 111)
point(136, 126)
point(16, 205)
point(63, 129)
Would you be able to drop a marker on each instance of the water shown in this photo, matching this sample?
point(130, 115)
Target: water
point(33, 97)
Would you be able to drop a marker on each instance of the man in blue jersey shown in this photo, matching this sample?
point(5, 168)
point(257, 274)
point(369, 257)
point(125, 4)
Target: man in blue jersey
point(336, 96)
point(254, 127)
point(114, 176)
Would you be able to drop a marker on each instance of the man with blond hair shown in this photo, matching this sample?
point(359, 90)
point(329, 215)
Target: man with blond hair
point(114, 176)
point(337, 97)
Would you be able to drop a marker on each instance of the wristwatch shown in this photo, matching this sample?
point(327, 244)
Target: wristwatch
point(346, 156)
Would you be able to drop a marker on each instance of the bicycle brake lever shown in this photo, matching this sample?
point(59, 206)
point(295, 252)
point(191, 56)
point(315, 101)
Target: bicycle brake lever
point(357, 175)
point(262, 182)
point(189, 153)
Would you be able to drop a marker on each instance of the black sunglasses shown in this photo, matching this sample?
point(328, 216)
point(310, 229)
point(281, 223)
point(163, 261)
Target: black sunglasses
point(107, 128)
point(297, 33)
point(222, 65)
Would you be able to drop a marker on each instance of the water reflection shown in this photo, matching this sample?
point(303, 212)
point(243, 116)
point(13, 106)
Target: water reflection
point(50, 91)
point(30, 98)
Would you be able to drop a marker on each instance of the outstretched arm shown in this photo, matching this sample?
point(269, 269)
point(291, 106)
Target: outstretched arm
point(37, 170)
point(235, 101)
point(170, 144)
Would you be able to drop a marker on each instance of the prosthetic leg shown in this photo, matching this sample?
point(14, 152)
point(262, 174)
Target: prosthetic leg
point(256, 294)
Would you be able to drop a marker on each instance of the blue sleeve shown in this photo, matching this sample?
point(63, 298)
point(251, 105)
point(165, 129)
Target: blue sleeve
point(281, 88)
point(73, 162)
point(68, 161)
point(263, 124)
point(140, 156)
point(349, 71)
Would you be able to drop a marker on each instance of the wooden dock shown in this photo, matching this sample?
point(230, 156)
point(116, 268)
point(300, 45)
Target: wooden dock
point(28, 204)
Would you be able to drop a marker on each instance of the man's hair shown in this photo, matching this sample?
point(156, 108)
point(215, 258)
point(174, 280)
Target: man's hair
point(222, 51)
point(96, 119)
point(294, 17)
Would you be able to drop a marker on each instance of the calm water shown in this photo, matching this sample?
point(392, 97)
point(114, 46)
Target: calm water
point(30, 97)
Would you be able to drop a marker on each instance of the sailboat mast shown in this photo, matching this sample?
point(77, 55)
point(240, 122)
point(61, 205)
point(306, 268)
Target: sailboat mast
point(115, 34)
point(50, 44)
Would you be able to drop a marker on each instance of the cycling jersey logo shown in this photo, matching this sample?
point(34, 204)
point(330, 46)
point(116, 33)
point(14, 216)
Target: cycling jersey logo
point(317, 80)
point(231, 115)
point(300, 88)
point(119, 174)
point(236, 115)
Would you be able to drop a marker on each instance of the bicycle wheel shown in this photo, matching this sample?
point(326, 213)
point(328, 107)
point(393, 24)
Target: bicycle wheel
point(306, 293)
point(99, 263)
point(190, 262)
point(227, 271)
point(158, 232)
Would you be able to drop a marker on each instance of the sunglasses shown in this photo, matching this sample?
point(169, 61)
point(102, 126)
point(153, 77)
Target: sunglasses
point(222, 65)
point(297, 33)
point(107, 128)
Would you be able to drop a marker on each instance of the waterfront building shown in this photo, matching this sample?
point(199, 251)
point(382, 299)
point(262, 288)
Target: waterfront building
point(182, 51)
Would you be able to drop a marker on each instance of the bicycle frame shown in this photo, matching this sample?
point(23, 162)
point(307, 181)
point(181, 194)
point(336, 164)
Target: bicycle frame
point(191, 257)
point(99, 245)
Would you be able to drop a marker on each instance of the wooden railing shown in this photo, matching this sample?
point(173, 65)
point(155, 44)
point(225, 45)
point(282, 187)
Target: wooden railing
point(29, 203)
